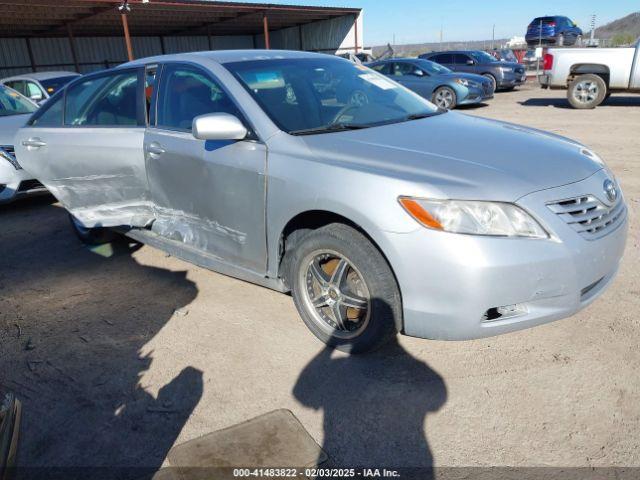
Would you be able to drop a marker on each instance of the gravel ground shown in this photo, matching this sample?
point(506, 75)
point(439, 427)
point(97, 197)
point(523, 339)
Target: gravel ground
point(119, 355)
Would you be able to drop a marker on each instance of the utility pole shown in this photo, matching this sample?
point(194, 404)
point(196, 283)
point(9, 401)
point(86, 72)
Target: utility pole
point(593, 28)
point(440, 36)
point(493, 35)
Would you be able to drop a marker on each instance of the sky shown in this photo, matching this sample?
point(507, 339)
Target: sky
point(418, 21)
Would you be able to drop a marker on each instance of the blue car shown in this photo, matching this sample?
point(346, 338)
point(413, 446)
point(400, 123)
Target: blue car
point(555, 30)
point(445, 88)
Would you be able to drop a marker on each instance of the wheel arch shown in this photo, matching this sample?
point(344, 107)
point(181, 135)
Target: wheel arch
point(309, 220)
point(589, 68)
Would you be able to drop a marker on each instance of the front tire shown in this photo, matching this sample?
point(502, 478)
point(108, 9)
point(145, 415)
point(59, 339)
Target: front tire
point(444, 97)
point(586, 91)
point(494, 82)
point(91, 236)
point(344, 289)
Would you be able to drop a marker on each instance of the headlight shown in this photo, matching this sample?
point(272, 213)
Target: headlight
point(473, 217)
point(10, 158)
point(462, 81)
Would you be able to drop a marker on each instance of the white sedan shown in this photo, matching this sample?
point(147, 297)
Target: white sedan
point(15, 182)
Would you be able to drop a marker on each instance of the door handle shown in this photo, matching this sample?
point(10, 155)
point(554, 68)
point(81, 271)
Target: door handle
point(34, 142)
point(154, 149)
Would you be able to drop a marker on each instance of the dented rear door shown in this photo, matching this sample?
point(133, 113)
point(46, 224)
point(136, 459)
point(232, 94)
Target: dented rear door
point(87, 149)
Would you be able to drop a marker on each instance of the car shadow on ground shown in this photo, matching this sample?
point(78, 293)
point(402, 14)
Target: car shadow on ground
point(474, 106)
point(71, 352)
point(374, 407)
point(613, 101)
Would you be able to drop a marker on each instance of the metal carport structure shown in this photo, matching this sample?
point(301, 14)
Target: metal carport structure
point(87, 35)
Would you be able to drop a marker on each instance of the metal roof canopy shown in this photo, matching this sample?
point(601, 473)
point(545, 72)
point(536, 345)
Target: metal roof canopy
point(99, 18)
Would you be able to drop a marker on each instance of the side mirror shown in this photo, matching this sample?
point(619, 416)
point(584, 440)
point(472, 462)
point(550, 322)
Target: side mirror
point(470, 62)
point(418, 73)
point(218, 126)
point(37, 97)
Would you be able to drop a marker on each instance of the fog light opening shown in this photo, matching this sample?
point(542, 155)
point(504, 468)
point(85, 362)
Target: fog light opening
point(505, 311)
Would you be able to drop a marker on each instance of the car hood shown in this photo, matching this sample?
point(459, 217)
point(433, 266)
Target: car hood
point(453, 155)
point(9, 125)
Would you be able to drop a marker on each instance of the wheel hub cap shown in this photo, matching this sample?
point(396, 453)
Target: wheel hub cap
point(336, 294)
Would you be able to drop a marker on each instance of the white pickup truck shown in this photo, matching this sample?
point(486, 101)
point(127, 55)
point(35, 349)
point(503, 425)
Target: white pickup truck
point(592, 74)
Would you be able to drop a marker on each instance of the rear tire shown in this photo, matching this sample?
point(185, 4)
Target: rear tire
point(92, 236)
point(586, 91)
point(334, 267)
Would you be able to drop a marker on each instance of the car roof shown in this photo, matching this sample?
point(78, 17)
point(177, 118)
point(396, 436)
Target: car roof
point(228, 56)
point(42, 75)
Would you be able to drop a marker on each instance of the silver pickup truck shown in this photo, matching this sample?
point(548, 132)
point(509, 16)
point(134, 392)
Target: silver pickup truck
point(592, 74)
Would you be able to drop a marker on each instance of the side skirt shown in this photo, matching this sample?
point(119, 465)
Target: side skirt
point(202, 259)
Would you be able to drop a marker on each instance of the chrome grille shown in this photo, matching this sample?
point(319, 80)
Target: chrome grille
point(589, 216)
point(11, 156)
point(9, 149)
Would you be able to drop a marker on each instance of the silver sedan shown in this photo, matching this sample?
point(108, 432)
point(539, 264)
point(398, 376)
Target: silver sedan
point(306, 173)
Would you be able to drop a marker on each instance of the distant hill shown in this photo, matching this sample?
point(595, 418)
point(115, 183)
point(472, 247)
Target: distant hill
point(629, 25)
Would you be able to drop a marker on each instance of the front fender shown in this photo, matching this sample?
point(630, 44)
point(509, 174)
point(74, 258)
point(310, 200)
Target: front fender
point(298, 183)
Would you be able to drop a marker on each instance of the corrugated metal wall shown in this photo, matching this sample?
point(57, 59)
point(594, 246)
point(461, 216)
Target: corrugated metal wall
point(98, 53)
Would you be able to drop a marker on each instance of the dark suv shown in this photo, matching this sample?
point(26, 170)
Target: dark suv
point(504, 75)
point(555, 30)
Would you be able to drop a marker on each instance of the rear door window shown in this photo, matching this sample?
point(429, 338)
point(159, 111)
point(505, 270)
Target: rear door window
point(445, 58)
point(107, 100)
point(460, 59)
point(50, 115)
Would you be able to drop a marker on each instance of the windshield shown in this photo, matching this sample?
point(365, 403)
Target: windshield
point(483, 57)
point(12, 103)
point(52, 85)
point(432, 68)
point(316, 95)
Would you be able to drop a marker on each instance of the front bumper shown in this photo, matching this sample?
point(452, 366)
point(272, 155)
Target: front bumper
point(15, 184)
point(449, 282)
point(512, 79)
point(475, 95)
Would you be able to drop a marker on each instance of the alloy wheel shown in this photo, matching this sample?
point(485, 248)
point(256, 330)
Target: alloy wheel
point(444, 98)
point(586, 91)
point(335, 294)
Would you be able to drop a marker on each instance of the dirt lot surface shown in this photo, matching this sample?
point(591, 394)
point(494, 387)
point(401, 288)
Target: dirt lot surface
point(118, 357)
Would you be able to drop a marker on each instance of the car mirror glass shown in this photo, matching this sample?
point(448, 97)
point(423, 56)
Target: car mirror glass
point(218, 126)
point(470, 62)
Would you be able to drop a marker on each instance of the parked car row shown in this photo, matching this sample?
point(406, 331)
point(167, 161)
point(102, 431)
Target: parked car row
point(435, 82)
point(308, 173)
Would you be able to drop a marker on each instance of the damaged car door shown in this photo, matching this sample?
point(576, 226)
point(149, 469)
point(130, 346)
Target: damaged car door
point(85, 146)
point(208, 194)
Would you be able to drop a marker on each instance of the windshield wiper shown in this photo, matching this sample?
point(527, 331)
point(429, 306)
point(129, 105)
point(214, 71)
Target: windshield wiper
point(418, 116)
point(337, 127)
